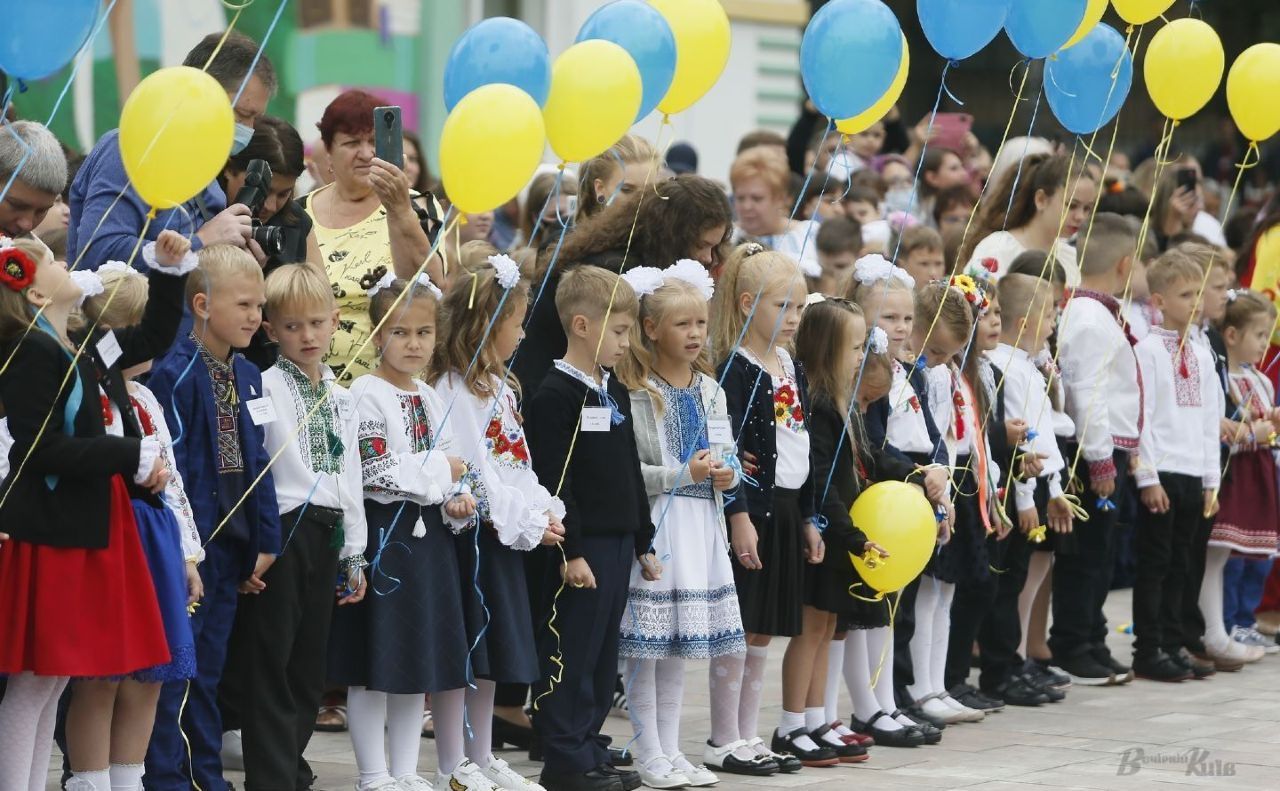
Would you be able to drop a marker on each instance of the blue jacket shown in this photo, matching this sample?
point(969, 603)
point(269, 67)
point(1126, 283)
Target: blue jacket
point(100, 179)
point(189, 411)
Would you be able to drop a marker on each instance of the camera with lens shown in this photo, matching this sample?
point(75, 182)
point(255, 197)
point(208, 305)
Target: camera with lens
point(275, 240)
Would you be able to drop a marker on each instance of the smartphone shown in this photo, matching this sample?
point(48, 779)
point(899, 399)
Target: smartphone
point(950, 130)
point(1187, 178)
point(388, 135)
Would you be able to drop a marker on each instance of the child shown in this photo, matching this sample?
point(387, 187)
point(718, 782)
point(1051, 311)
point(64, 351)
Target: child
point(1103, 393)
point(866, 144)
point(830, 344)
point(581, 437)
point(73, 571)
point(692, 613)
point(166, 529)
point(757, 311)
point(522, 514)
point(919, 248)
point(282, 627)
point(205, 390)
point(1178, 471)
point(1246, 525)
point(862, 205)
point(410, 637)
point(839, 240)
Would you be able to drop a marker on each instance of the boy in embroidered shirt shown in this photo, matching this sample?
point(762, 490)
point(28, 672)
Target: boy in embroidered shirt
point(584, 450)
point(1103, 398)
point(281, 634)
point(1177, 472)
point(205, 389)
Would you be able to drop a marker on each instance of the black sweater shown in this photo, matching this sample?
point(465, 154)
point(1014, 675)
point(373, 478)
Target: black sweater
point(603, 490)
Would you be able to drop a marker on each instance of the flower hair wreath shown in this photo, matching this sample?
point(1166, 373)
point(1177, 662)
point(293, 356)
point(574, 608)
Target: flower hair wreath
point(17, 270)
point(972, 294)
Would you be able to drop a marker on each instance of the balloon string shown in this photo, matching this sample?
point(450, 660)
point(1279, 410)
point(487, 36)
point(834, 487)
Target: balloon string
point(253, 65)
point(1026, 145)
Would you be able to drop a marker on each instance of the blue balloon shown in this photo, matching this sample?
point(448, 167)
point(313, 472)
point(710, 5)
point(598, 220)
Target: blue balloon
point(40, 38)
point(1079, 85)
point(850, 53)
point(1039, 28)
point(957, 29)
point(498, 50)
point(644, 33)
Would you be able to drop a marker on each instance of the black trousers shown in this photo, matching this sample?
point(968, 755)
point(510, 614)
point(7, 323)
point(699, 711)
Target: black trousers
point(277, 653)
point(568, 720)
point(1082, 571)
point(1162, 544)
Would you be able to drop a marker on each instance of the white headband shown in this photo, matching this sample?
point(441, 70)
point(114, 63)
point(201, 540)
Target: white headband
point(645, 280)
point(389, 278)
point(508, 270)
point(874, 268)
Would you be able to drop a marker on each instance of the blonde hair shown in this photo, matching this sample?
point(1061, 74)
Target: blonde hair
point(753, 271)
point(16, 312)
point(1207, 256)
point(591, 291)
point(630, 150)
point(474, 255)
point(766, 164)
point(917, 237)
point(218, 264)
point(822, 346)
point(1018, 294)
point(122, 302)
point(468, 310)
point(948, 304)
point(297, 286)
point(863, 293)
point(874, 367)
point(1172, 267)
point(636, 366)
point(1246, 307)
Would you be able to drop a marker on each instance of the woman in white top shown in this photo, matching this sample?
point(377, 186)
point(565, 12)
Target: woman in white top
point(761, 182)
point(1036, 207)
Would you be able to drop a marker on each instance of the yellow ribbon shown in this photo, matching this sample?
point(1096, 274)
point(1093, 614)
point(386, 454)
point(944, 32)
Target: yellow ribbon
point(1036, 535)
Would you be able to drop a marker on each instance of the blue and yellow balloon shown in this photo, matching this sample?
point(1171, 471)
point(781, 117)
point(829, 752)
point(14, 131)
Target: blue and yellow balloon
point(490, 146)
point(595, 93)
point(1039, 28)
point(1079, 82)
point(701, 29)
point(877, 111)
point(638, 28)
point(849, 56)
point(497, 50)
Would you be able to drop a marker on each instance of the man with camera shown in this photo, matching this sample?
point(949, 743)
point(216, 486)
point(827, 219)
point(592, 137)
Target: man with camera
point(107, 216)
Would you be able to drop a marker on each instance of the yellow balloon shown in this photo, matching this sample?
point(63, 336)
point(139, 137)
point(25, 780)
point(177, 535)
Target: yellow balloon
point(1183, 68)
point(490, 145)
point(176, 130)
point(863, 121)
point(1140, 12)
point(1092, 16)
point(896, 516)
point(1252, 87)
point(701, 28)
point(594, 97)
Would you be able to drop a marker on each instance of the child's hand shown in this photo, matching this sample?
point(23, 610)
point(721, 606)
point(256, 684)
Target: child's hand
point(947, 525)
point(1154, 499)
point(460, 507)
point(255, 584)
point(700, 466)
point(158, 478)
point(355, 582)
point(743, 539)
point(1274, 417)
point(1261, 431)
point(457, 468)
point(935, 484)
point(749, 463)
point(4, 537)
point(171, 246)
point(1060, 515)
point(1028, 520)
point(650, 568)
point(1211, 503)
point(872, 546)
point(814, 549)
point(1231, 432)
point(721, 476)
point(577, 574)
point(554, 533)
point(1103, 487)
point(1032, 464)
point(1016, 430)
point(195, 585)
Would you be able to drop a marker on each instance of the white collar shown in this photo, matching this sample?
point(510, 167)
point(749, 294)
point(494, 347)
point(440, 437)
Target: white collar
point(583, 376)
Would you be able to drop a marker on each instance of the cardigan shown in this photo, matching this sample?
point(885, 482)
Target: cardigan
point(877, 419)
point(595, 473)
point(757, 434)
point(183, 387)
point(74, 513)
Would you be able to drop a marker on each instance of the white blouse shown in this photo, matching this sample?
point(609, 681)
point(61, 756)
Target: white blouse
point(1026, 397)
point(1003, 247)
point(907, 430)
point(790, 423)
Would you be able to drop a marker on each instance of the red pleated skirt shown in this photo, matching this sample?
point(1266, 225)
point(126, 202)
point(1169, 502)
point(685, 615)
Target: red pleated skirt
point(81, 612)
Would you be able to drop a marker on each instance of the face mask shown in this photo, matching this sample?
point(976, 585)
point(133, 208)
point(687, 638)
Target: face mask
point(897, 199)
point(841, 166)
point(243, 135)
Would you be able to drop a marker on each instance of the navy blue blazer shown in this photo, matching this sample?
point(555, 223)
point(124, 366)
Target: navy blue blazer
point(877, 422)
point(190, 413)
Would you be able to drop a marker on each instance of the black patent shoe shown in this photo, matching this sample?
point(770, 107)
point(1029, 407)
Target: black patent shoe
point(932, 733)
point(723, 759)
point(902, 736)
point(819, 757)
point(848, 753)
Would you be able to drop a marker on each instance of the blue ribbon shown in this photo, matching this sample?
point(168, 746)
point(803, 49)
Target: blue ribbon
point(73, 400)
point(821, 523)
point(475, 581)
point(615, 414)
point(375, 568)
point(1104, 504)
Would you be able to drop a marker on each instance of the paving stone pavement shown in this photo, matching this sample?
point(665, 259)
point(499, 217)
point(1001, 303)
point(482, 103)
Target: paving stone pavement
point(1218, 733)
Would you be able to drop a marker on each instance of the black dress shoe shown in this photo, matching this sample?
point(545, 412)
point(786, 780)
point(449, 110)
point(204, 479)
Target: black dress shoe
point(932, 733)
point(619, 757)
point(514, 734)
point(630, 780)
point(1122, 672)
point(918, 714)
point(1199, 670)
point(1018, 690)
point(1159, 667)
point(848, 753)
point(819, 757)
point(595, 780)
point(966, 695)
point(901, 736)
point(723, 759)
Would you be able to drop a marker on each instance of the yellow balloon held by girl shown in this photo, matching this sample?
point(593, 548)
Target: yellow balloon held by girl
point(896, 516)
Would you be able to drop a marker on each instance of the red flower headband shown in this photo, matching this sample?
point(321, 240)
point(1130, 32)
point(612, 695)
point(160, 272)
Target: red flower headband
point(17, 270)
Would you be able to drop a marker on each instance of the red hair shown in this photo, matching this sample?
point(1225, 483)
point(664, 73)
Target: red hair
point(350, 113)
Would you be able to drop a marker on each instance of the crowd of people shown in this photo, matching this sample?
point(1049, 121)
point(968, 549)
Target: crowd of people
point(278, 461)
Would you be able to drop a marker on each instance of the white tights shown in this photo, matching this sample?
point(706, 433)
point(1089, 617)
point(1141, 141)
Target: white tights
point(369, 714)
point(1215, 629)
point(929, 643)
point(655, 688)
point(27, 717)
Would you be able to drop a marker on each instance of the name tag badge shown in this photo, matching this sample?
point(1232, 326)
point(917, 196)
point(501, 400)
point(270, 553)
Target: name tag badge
point(345, 409)
point(262, 411)
point(596, 418)
point(719, 432)
point(109, 349)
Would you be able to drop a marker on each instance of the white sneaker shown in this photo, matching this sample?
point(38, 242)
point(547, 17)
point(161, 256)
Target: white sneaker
point(1248, 635)
point(699, 776)
point(232, 751)
point(408, 783)
point(970, 714)
point(935, 708)
point(467, 777)
point(502, 775)
point(659, 773)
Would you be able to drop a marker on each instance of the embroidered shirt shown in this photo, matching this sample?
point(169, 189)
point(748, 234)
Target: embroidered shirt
point(684, 430)
point(1180, 426)
point(792, 468)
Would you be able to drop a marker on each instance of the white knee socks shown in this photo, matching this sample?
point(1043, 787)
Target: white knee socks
point(27, 716)
point(941, 638)
point(835, 669)
point(126, 777)
point(921, 645)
